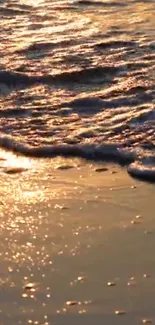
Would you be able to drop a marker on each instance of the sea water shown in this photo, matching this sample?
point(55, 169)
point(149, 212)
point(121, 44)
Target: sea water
point(77, 79)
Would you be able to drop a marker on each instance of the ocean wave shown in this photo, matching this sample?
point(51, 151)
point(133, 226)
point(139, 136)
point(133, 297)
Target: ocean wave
point(142, 171)
point(100, 3)
point(87, 75)
point(137, 166)
point(76, 81)
point(106, 152)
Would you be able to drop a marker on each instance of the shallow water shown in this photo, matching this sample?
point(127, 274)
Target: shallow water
point(77, 79)
point(65, 233)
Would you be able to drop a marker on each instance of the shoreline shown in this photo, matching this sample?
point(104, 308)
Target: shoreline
point(144, 172)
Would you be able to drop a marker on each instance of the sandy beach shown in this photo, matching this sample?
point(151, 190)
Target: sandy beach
point(77, 243)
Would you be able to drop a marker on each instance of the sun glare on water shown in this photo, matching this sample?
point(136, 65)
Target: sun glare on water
point(12, 163)
point(32, 2)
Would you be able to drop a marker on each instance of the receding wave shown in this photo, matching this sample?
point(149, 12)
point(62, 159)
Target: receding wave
point(137, 165)
point(107, 152)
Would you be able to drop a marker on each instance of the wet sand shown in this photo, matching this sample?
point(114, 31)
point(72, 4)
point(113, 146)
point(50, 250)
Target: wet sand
point(77, 244)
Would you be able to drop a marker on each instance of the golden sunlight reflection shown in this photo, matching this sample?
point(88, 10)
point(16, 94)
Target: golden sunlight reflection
point(32, 2)
point(49, 236)
point(11, 161)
